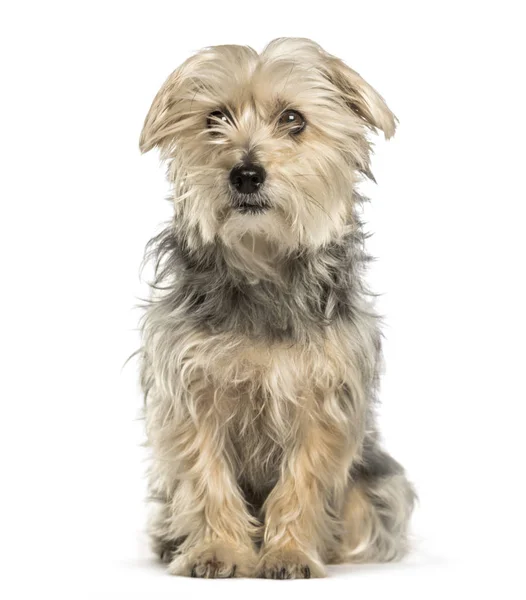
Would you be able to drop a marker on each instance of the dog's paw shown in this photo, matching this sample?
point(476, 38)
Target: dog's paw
point(214, 561)
point(289, 564)
point(213, 568)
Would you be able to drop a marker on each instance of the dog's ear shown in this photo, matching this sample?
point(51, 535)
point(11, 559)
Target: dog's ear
point(360, 97)
point(172, 107)
point(161, 121)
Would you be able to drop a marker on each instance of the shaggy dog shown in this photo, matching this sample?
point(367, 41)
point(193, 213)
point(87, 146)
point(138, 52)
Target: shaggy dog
point(261, 349)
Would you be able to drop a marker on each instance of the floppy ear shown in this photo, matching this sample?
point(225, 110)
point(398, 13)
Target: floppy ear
point(360, 97)
point(172, 107)
point(161, 121)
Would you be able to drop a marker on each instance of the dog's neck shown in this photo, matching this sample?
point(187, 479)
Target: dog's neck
point(254, 256)
point(256, 289)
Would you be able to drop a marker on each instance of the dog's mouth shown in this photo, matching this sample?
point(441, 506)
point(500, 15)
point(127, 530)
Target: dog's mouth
point(250, 204)
point(252, 209)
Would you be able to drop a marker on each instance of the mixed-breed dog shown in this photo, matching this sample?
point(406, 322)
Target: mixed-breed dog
point(261, 347)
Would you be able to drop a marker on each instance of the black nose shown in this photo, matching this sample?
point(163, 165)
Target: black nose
point(247, 178)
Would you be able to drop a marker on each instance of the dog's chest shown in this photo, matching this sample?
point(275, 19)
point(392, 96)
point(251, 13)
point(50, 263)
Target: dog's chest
point(240, 367)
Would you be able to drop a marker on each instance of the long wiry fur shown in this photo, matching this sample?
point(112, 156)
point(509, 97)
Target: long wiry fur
point(261, 348)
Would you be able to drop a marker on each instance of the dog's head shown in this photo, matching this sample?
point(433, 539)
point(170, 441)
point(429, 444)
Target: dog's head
point(265, 145)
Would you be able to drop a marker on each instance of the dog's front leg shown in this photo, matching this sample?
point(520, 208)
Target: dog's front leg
point(300, 511)
point(209, 507)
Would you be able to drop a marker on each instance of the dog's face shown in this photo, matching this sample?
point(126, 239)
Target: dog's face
point(266, 146)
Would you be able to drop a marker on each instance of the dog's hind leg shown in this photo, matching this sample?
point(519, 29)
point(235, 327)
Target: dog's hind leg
point(376, 514)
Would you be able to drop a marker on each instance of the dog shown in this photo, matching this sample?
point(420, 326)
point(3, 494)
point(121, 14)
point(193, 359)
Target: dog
point(261, 348)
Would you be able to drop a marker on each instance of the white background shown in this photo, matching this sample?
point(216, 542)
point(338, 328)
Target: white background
point(78, 204)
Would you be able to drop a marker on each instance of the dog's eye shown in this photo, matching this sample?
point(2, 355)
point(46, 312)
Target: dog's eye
point(217, 118)
point(293, 121)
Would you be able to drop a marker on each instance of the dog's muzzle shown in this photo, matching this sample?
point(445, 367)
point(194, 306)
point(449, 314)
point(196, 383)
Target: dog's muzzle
point(246, 181)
